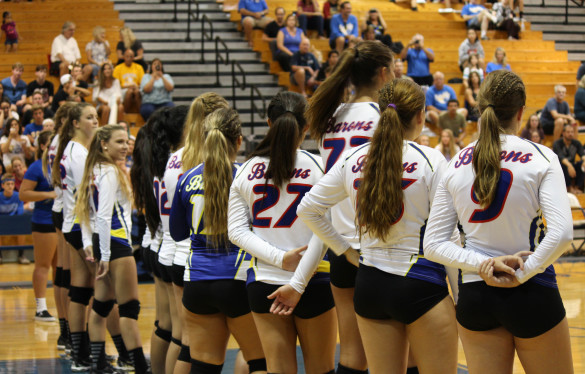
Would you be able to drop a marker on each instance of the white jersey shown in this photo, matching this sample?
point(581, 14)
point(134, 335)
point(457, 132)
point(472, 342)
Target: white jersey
point(271, 212)
point(112, 209)
point(531, 185)
point(354, 125)
point(146, 238)
point(166, 252)
point(156, 239)
point(52, 153)
point(402, 252)
point(72, 167)
point(173, 172)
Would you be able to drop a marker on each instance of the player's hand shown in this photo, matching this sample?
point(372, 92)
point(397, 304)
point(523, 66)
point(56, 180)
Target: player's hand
point(88, 254)
point(352, 256)
point(291, 259)
point(102, 271)
point(286, 299)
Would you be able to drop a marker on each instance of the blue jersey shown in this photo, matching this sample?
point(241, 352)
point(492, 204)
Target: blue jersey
point(42, 214)
point(32, 128)
point(186, 219)
point(11, 206)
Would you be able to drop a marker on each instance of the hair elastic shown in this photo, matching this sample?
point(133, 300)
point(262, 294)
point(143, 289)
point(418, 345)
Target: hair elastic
point(492, 106)
point(391, 105)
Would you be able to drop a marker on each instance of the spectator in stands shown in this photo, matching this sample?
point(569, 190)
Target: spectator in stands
point(418, 58)
point(129, 159)
point(253, 14)
point(18, 170)
point(43, 86)
point(447, 144)
point(556, 113)
point(566, 148)
point(536, 138)
point(65, 51)
point(37, 99)
point(130, 75)
point(332, 58)
point(330, 8)
point(156, 87)
point(471, 46)
point(580, 101)
point(9, 28)
point(271, 30)
point(310, 17)
point(288, 40)
point(477, 17)
point(471, 93)
point(472, 67)
point(305, 67)
point(438, 97)
point(65, 92)
point(10, 204)
point(344, 28)
point(48, 124)
point(107, 92)
point(399, 70)
point(13, 143)
point(14, 87)
point(580, 72)
point(499, 61)
point(532, 125)
point(81, 87)
point(424, 140)
point(36, 188)
point(505, 19)
point(97, 51)
point(374, 19)
point(124, 124)
point(128, 41)
point(2, 96)
point(7, 112)
point(33, 129)
point(453, 121)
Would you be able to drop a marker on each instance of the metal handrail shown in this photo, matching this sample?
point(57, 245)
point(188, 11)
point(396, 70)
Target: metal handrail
point(579, 3)
point(219, 57)
point(254, 108)
point(236, 83)
point(205, 35)
point(175, 19)
point(190, 15)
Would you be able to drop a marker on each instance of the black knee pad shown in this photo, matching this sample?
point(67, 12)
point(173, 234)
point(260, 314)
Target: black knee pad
point(413, 370)
point(176, 341)
point(102, 308)
point(58, 282)
point(66, 278)
point(165, 335)
point(199, 367)
point(80, 295)
point(185, 354)
point(131, 309)
point(345, 370)
point(257, 365)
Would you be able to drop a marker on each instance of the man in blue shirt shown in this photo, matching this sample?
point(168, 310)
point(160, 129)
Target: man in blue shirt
point(477, 17)
point(253, 14)
point(344, 28)
point(418, 58)
point(305, 67)
point(437, 100)
point(10, 204)
point(33, 129)
point(14, 87)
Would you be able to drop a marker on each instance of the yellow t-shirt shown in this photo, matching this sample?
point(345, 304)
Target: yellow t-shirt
point(128, 75)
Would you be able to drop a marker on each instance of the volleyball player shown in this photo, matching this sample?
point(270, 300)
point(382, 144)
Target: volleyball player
point(67, 173)
point(264, 195)
point(400, 297)
point(36, 188)
point(104, 193)
point(501, 189)
point(338, 125)
point(193, 135)
point(215, 297)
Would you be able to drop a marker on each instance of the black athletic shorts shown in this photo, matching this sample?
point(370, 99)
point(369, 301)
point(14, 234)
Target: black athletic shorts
point(58, 220)
point(117, 250)
point(146, 258)
point(166, 272)
point(178, 272)
point(74, 238)
point(381, 295)
point(154, 264)
point(42, 228)
point(316, 300)
point(341, 272)
point(227, 296)
point(526, 311)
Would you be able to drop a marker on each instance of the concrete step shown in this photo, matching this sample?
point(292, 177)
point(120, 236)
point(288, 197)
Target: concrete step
point(214, 16)
point(179, 35)
point(239, 45)
point(207, 69)
point(162, 7)
point(226, 92)
point(168, 25)
point(224, 80)
point(191, 55)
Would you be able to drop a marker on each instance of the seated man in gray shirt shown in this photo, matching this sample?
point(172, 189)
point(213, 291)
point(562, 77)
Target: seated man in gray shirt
point(566, 148)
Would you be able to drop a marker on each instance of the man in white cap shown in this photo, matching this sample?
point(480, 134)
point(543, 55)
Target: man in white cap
point(66, 92)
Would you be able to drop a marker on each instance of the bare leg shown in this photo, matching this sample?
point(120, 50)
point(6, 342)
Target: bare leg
point(488, 352)
point(318, 338)
point(279, 338)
